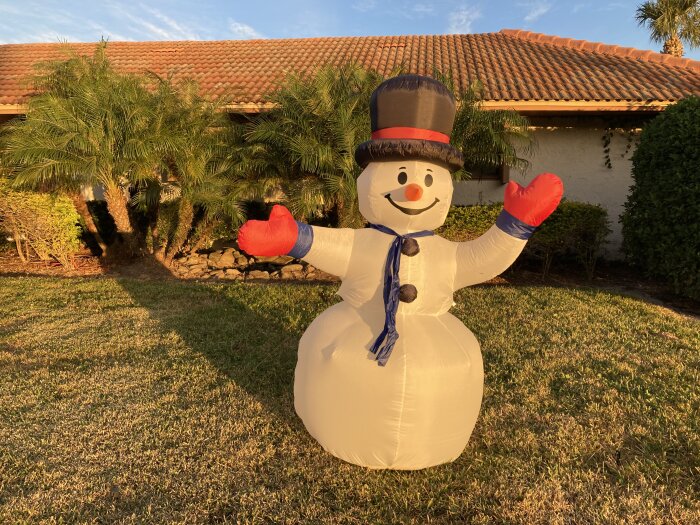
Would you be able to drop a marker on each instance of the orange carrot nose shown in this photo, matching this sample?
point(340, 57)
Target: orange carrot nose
point(413, 192)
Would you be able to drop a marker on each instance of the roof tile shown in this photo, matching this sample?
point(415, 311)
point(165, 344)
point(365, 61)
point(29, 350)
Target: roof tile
point(513, 65)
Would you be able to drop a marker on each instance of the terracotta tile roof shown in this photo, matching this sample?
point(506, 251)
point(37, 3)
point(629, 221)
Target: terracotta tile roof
point(514, 66)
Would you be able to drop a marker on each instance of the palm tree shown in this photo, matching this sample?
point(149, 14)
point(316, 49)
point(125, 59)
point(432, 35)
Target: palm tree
point(307, 142)
point(199, 161)
point(488, 139)
point(672, 22)
point(89, 126)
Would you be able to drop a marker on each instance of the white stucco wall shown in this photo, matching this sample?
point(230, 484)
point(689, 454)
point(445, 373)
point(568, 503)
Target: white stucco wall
point(576, 155)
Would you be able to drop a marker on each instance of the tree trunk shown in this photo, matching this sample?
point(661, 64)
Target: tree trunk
point(118, 207)
point(157, 248)
point(18, 245)
point(185, 216)
point(673, 46)
point(204, 235)
point(82, 208)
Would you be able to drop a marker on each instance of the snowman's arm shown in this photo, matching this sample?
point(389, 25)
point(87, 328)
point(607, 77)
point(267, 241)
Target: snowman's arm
point(523, 210)
point(491, 254)
point(328, 249)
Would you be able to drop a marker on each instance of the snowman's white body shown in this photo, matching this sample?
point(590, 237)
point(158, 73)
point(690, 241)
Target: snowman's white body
point(420, 409)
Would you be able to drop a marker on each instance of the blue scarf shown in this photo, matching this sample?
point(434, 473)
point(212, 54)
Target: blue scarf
point(384, 344)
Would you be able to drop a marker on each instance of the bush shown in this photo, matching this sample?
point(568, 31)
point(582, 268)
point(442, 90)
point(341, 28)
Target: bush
point(575, 230)
point(47, 224)
point(661, 222)
point(464, 223)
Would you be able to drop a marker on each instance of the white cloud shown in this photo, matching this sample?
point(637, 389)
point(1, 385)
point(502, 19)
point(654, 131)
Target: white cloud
point(461, 20)
point(422, 9)
point(175, 27)
point(364, 5)
point(152, 23)
point(243, 31)
point(108, 34)
point(42, 35)
point(536, 9)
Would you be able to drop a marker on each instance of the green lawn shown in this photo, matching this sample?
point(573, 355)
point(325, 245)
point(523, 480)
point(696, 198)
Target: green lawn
point(144, 401)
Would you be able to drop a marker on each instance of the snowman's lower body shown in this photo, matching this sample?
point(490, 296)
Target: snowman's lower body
point(417, 411)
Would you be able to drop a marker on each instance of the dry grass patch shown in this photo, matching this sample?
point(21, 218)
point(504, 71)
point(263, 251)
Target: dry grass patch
point(132, 401)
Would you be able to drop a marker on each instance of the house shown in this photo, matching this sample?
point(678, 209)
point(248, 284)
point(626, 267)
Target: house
point(576, 93)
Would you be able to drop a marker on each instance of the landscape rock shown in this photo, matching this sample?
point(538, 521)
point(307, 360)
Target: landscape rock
point(258, 274)
point(278, 260)
point(227, 259)
point(192, 261)
point(220, 244)
point(292, 268)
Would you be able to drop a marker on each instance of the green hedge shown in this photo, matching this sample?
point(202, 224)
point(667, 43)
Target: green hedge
point(661, 223)
point(464, 223)
point(41, 224)
point(575, 231)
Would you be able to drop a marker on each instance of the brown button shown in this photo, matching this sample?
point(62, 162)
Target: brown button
point(410, 247)
point(407, 293)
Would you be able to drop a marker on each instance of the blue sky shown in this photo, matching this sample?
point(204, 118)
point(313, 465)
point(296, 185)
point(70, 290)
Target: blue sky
point(86, 21)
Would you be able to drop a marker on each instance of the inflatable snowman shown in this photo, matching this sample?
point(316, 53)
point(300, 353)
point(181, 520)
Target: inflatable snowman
point(388, 378)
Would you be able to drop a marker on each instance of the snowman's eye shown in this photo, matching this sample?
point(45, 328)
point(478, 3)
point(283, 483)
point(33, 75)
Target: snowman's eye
point(403, 177)
point(428, 180)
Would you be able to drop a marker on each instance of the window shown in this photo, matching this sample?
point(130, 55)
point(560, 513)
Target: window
point(501, 173)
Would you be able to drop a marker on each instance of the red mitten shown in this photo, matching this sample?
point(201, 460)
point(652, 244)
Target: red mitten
point(275, 236)
point(533, 204)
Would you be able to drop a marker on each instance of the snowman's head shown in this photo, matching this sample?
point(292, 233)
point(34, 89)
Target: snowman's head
point(405, 195)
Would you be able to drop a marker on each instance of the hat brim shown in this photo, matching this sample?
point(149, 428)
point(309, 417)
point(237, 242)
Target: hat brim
point(390, 149)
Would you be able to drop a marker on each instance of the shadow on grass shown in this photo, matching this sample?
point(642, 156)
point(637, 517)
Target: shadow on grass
point(239, 327)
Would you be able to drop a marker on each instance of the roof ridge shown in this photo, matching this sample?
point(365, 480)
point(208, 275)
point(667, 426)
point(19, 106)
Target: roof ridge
point(599, 47)
point(241, 40)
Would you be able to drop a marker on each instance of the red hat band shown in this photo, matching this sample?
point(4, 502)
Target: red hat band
point(410, 133)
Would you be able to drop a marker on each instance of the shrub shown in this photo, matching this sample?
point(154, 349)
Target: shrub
point(661, 222)
point(464, 223)
point(47, 224)
point(575, 230)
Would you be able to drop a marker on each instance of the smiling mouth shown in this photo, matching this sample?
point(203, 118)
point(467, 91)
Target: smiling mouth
point(410, 211)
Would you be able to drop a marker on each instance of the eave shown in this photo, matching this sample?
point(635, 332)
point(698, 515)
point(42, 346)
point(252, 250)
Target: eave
point(521, 106)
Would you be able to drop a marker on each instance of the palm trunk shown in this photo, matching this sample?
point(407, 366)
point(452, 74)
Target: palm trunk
point(118, 208)
point(204, 235)
point(18, 244)
point(185, 216)
point(673, 46)
point(157, 249)
point(82, 208)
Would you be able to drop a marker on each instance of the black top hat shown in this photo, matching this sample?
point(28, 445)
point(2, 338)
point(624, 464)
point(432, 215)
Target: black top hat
point(412, 117)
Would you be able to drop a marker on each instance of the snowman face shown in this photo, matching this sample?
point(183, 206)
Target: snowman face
point(405, 195)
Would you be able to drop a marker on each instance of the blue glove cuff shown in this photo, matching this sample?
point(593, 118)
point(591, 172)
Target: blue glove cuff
point(515, 227)
point(305, 238)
